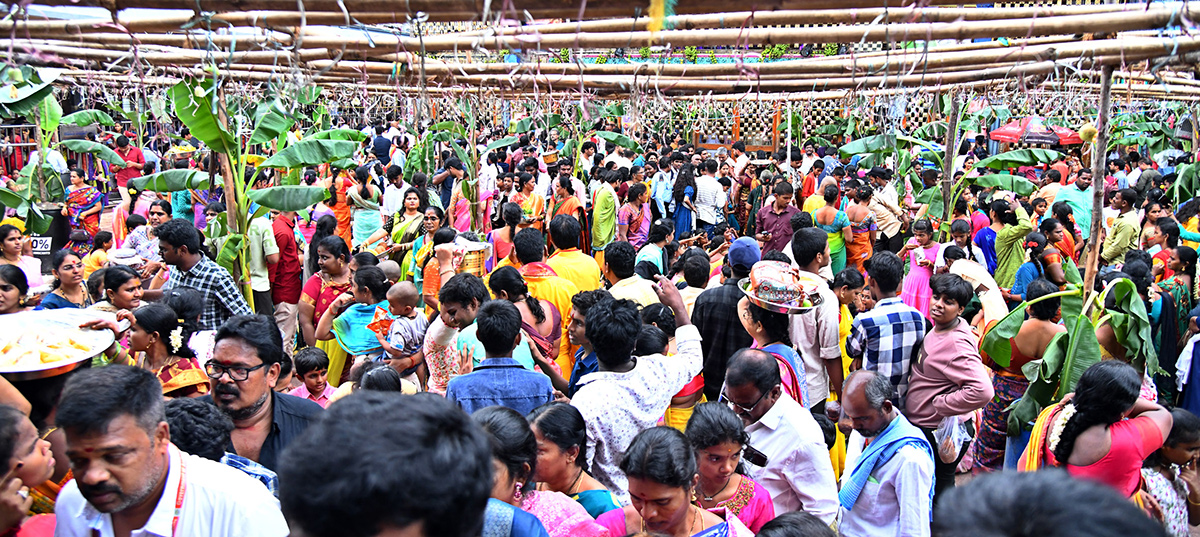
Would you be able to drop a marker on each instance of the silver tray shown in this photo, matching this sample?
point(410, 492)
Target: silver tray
point(66, 320)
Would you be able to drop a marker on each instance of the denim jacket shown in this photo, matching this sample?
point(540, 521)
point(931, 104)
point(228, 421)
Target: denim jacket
point(500, 381)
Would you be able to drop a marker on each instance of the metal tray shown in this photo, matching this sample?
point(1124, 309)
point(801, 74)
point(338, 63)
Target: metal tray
point(66, 320)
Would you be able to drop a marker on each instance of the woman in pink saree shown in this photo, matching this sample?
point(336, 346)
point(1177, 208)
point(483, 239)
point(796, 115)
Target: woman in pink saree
point(514, 452)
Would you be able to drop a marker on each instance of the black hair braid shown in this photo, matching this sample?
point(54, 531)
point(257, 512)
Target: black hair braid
point(1104, 393)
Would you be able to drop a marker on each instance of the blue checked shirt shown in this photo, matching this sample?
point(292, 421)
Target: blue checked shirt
point(253, 469)
point(222, 298)
point(886, 339)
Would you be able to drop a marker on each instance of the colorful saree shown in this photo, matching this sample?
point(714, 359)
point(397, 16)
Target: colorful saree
point(320, 292)
point(351, 328)
point(534, 207)
point(79, 201)
point(184, 378)
point(993, 430)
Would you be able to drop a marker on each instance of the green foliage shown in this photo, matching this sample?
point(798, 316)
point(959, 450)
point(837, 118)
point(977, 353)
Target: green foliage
point(774, 52)
point(932, 131)
point(338, 134)
point(172, 181)
point(1011, 183)
point(194, 105)
point(690, 53)
point(620, 139)
point(830, 49)
point(84, 118)
point(50, 114)
point(1020, 157)
point(101, 151)
point(311, 152)
point(288, 198)
point(644, 53)
point(544, 121)
point(24, 89)
point(270, 120)
point(601, 59)
point(564, 55)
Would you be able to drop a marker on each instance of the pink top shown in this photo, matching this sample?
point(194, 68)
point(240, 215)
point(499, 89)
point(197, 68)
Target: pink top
point(302, 392)
point(562, 516)
point(1120, 468)
point(978, 222)
point(614, 521)
point(751, 503)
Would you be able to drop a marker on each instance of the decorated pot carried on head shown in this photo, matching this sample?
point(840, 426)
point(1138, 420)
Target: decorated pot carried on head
point(779, 287)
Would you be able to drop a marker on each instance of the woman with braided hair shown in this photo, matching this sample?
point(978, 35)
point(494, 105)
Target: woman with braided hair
point(1104, 431)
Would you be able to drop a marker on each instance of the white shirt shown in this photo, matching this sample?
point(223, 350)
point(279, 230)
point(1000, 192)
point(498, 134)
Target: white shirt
point(393, 198)
point(798, 474)
point(815, 336)
point(895, 500)
point(55, 161)
point(973, 251)
point(708, 199)
point(544, 185)
point(618, 406)
point(217, 501)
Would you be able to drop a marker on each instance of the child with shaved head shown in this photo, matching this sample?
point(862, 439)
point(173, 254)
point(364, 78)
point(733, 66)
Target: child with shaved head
point(402, 346)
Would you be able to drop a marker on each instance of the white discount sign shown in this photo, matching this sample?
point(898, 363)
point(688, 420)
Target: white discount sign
point(41, 245)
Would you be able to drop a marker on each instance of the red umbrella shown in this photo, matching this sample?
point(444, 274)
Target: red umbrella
point(1066, 136)
point(1032, 130)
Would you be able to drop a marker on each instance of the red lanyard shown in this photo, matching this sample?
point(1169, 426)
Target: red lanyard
point(179, 494)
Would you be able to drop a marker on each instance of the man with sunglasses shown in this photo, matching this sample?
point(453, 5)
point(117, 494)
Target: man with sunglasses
point(797, 473)
point(242, 372)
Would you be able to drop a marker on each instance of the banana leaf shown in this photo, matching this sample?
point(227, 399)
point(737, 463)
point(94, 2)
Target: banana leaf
point(50, 113)
point(11, 199)
point(101, 151)
point(996, 342)
point(1043, 376)
point(37, 221)
point(1131, 324)
point(869, 144)
point(932, 131)
point(83, 118)
point(620, 139)
point(1011, 183)
point(19, 99)
point(1020, 157)
point(505, 142)
point(932, 197)
point(449, 126)
point(311, 153)
point(270, 121)
point(537, 122)
point(338, 134)
point(138, 120)
point(288, 198)
point(197, 113)
point(172, 181)
point(26, 187)
point(308, 94)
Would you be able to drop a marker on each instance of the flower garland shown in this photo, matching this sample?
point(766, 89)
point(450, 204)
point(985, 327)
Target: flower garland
point(1060, 423)
point(176, 338)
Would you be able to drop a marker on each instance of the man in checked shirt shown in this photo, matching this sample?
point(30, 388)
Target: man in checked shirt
point(179, 244)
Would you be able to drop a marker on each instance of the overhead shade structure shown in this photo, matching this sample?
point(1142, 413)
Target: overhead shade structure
point(1033, 130)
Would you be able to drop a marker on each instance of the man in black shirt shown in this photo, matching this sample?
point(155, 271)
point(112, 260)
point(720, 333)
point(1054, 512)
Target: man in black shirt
point(242, 373)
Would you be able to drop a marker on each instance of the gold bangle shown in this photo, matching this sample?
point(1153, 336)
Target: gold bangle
point(1189, 500)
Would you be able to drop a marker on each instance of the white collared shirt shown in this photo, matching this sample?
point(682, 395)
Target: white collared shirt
point(217, 501)
point(709, 199)
point(815, 337)
point(895, 500)
point(618, 406)
point(799, 474)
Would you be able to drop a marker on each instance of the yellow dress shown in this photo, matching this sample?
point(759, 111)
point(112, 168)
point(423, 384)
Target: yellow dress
point(837, 455)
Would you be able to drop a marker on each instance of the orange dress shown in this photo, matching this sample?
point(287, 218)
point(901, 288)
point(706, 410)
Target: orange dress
point(343, 210)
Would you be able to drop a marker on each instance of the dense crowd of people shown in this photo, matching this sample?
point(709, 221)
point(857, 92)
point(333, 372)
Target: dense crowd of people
point(668, 340)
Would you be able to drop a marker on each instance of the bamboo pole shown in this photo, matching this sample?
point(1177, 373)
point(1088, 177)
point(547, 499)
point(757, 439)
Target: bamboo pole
point(806, 17)
point(948, 157)
point(1099, 154)
point(458, 10)
point(288, 19)
point(888, 33)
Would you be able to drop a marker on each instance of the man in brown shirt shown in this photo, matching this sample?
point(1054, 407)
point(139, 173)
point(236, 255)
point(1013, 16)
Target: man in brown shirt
point(774, 222)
